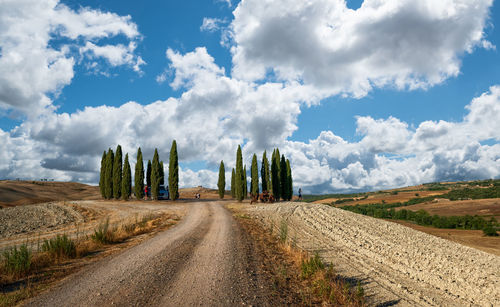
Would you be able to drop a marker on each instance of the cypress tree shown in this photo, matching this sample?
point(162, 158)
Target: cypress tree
point(239, 175)
point(173, 172)
point(290, 180)
point(283, 179)
point(264, 173)
point(155, 175)
point(245, 183)
point(162, 174)
point(126, 180)
point(117, 173)
point(254, 190)
point(139, 176)
point(221, 184)
point(275, 177)
point(101, 175)
point(108, 175)
point(148, 174)
point(233, 184)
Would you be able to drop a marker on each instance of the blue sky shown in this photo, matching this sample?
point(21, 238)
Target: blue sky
point(328, 111)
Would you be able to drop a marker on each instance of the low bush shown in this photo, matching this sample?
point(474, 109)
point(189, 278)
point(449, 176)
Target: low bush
point(17, 261)
point(104, 234)
point(490, 231)
point(311, 266)
point(60, 247)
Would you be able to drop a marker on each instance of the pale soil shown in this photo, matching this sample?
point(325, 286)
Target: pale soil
point(386, 197)
point(16, 193)
point(481, 207)
point(204, 260)
point(472, 238)
point(33, 223)
point(396, 264)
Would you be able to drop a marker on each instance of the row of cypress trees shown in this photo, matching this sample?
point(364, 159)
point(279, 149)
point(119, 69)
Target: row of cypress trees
point(276, 179)
point(115, 182)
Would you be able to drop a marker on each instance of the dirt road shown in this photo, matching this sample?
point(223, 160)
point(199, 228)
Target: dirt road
point(395, 264)
point(204, 260)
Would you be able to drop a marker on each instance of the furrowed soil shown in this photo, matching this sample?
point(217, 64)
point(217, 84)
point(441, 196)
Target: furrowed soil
point(396, 264)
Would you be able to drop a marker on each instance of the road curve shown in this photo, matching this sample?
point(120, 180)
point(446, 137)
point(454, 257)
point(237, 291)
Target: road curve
point(204, 260)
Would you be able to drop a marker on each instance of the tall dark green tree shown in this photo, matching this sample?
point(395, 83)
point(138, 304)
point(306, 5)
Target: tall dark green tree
point(265, 173)
point(108, 175)
point(283, 178)
point(148, 174)
point(117, 173)
point(173, 172)
point(126, 180)
point(221, 184)
point(233, 184)
point(239, 176)
point(275, 176)
point(155, 175)
point(289, 180)
point(101, 176)
point(139, 176)
point(245, 183)
point(162, 174)
point(254, 174)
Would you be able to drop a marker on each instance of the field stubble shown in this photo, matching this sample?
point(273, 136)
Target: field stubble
point(397, 265)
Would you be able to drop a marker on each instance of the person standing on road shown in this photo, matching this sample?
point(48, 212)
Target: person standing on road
point(146, 192)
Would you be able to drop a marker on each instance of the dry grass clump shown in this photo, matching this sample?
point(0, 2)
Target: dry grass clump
point(299, 278)
point(16, 261)
point(25, 271)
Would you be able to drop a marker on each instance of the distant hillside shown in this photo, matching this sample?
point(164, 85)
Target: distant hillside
point(15, 193)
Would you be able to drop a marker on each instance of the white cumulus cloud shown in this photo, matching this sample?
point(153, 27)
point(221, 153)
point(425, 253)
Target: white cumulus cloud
point(403, 44)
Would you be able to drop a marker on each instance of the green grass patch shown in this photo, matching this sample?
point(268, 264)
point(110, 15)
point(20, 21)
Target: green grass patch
point(310, 266)
point(17, 261)
point(60, 247)
point(104, 234)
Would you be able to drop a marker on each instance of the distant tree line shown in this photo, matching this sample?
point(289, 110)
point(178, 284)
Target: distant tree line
point(116, 179)
point(422, 217)
point(276, 177)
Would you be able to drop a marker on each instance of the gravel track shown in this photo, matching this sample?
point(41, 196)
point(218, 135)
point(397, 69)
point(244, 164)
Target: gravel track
point(395, 264)
point(201, 261)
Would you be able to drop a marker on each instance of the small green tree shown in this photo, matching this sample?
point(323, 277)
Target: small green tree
point(173, 172)
point(290, 180)
point(155, 175)
point(139, 176)
point(126, 180)
point(283, 178)
point(221, 184)
point(239, 192)
point(233, 184)
point(275, 176)
point(264, 173)
point(108, 176)
point(254, 174)
point(245, 183)
point(102, 187)
point(148, 174)
point(117, 173)
point(162, 174)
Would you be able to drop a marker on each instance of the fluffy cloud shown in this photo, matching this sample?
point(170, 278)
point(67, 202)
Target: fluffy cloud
point(314, 49)
point(212, 116)
point(390, 154)
point(403, 44)
point(40, 42)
